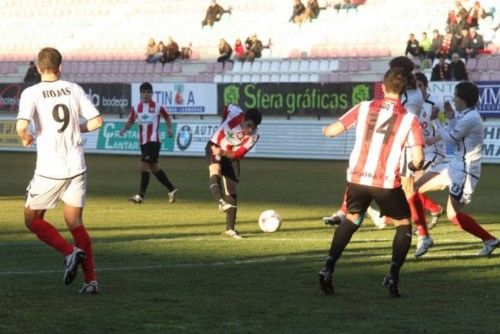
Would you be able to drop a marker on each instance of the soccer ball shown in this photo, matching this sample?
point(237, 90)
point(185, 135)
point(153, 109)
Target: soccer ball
point(269, 221)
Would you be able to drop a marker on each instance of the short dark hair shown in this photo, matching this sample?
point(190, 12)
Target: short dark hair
point(407, 65)
point(395, 81)
point(468, 92)
point(422, 77)
point(49, 59)
point(146, 86)
point(253, 115)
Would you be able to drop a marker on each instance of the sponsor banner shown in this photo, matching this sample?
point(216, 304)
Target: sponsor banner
point(296, 99)
point(193, 137)
point(109, 138)
point(183, 98)
point(491, 147)
point(108, 98)
point(8, 134)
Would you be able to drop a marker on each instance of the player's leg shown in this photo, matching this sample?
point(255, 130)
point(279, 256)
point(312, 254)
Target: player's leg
point(358, 199)
point(42, 194)
point(336, 218)
point(163, 179)
point(74, 201)
point(230, 171)
point(230, 197)
point(144, 179)
point(214, 170)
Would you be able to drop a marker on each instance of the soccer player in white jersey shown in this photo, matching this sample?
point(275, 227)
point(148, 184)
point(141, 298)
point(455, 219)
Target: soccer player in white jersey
point(383, 129)
point(54, 107)
point(148, 114)
point(234, 138)
point(466, 132)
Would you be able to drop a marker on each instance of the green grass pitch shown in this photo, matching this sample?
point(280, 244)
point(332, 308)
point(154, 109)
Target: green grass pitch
point(165, 268)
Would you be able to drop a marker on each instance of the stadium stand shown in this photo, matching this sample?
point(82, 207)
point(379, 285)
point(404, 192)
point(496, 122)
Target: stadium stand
point(103, 41)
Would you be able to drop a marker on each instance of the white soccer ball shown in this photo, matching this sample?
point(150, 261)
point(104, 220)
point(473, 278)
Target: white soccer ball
point(269, 221)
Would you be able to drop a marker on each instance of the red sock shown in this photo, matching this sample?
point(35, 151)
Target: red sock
point(468, 224)
point(51, 236)
point(428, 203)
point(418, 214)
point(83, 241)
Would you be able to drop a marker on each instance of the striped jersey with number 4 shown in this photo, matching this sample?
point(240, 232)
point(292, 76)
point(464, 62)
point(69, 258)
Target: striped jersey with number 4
point(383, 128)
point(54, 109)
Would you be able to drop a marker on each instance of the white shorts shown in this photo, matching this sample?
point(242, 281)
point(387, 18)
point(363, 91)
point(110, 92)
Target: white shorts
point(433, 159)
point(43, 193)
point(461, 185)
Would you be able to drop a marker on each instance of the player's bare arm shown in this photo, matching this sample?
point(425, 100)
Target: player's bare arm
point(92, 124)
point(417, 157)
point(22, 129)
point(126, 127)
point(168, 123)
point(334, 129)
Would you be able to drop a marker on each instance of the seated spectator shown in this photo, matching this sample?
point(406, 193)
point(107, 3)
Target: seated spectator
point(456, 69)
point(253, 47)
point(32, 75)
point(239, 50)
point(476, 13)
point(187, 51)
point(441, 72)
point(297, 12)
point(214, 14)
point(412, 47)
point(437, 41)
point(347, 5)
point(448, 45)
point(425, 46)
point(225, 51)
point(476, 44)
point(463, 43)
point(170, 51)
point(153, 51)
point(313, 9)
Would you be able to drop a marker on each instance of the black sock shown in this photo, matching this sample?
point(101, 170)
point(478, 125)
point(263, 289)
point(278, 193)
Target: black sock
point(215, 187)
point(400, 246)
point(341, 238)
point(231, 213)
point(144, 184)
point(162, 177)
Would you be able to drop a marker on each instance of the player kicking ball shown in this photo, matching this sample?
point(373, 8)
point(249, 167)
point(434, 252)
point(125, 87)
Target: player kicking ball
point(54, 108)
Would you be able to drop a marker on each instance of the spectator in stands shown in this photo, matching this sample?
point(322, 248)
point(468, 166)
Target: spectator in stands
point(297, 12)
point(214, 14)
point(441, 72)
point(225, 52)
point(239, 50)
point(460, 12)
point(253, 47)
point(475, 14)
point(346, 4)
point(412, 47)
point(437, 41)
point(170, 51)
point(187, 51)
point(153, 51)
point(32, 75)
point(457, 69)
point(448, 45)
point(476, 43)
point(425, 46)
point(313, 9)
point(463, 43)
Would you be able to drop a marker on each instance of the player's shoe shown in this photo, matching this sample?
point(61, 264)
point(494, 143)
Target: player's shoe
point(435, 218)
point(233, 234)
point(223, 206)
point(72, 262)
point(392, 285)
point(171, 196)
point(423, 245)
point(333, 220)
point(325, 282)
point(90, 288)
point(137, 199)
point(375, 217)
point(489, 247)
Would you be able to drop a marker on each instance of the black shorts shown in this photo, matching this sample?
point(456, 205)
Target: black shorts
point(150, 152)
point(392, 202)
point(228, 168)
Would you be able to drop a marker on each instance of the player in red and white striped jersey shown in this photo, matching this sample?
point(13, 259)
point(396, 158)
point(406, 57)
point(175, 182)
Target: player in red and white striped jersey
point(148, 114)
point(234, 138)
point(383, 129)
point(54, 107)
